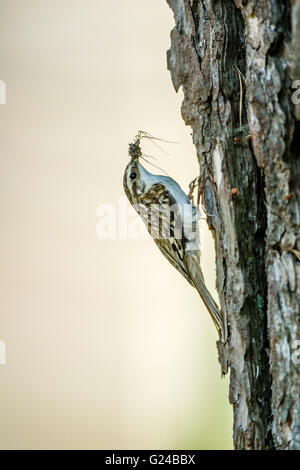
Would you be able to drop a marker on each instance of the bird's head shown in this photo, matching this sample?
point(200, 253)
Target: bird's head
point(137, 180)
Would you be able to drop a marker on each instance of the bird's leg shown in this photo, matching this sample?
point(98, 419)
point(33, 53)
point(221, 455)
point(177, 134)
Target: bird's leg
point(201, 184)
point(192, 186)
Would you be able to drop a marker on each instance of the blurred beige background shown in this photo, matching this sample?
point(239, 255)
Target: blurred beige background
point(107, 345)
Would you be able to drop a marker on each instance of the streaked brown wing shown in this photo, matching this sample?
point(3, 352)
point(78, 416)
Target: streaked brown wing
point(164, 247)
point(165, 226)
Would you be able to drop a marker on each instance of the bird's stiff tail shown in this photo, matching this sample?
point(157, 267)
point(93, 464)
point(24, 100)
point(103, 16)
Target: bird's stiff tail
point(197, 280)
point(211, 305)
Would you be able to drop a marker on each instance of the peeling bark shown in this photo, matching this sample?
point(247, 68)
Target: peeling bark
point(251, 193)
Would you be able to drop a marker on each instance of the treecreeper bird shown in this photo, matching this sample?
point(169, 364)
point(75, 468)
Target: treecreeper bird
point(171, 221)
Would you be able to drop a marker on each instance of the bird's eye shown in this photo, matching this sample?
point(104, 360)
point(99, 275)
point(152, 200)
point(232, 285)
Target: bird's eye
point(132, 175)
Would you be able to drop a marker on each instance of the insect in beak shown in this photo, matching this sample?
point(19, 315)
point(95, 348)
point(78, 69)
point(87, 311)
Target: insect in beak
point(135, 150)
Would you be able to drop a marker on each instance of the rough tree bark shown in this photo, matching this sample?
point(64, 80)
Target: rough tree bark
point(251, 192)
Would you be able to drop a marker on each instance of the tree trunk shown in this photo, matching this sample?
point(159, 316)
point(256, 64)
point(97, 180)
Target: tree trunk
point(236, 62)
